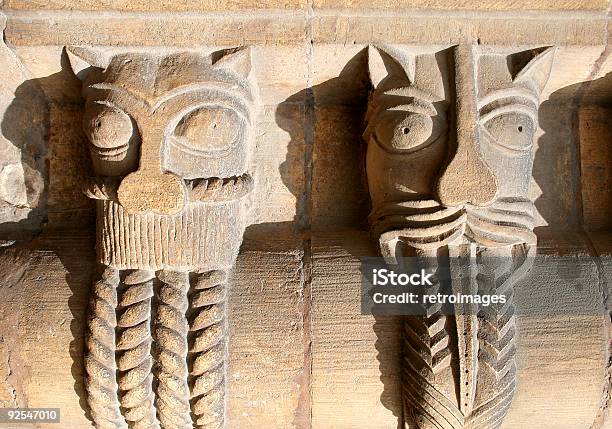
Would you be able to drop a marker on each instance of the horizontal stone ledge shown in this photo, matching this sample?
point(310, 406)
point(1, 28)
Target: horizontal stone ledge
point(490, 29)
point(207, 5)
point(287, 27)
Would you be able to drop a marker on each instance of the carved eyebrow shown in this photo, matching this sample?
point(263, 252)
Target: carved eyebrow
point(114, 106)
point(228, 88)
point(509, 96)
point(509, 108)
point(130, 110)
point(119, 88)
point(411, 91)
point(417, 106)
point(107, 104)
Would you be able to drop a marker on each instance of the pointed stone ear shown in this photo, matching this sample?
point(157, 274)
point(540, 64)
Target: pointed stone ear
point(532, 67)
point(389, 63)
point(83, 61)
point(237, 60)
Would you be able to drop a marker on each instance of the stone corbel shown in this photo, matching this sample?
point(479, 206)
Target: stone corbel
point(170, 140)
point(449, 160)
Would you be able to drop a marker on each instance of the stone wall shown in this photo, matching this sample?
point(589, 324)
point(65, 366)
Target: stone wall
point(300, 354)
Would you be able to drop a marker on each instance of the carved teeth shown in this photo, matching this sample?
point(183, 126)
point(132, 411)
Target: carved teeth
point(110, 153)
point(198, 190)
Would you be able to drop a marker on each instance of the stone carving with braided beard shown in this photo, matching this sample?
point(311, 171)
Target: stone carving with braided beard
point(169, 137)
point(449, 162)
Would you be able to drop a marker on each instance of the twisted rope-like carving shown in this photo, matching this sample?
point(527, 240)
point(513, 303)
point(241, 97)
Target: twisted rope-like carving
point(211, 189)
point(220, 189)
point(170, 333)
point(134, 345)
point(100, 365)
point(208, 350)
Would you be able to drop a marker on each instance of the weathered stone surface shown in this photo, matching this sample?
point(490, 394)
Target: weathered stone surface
point(148, 30)
point(595, 132)
point(464, 4)
point(575, 315)
point(23, 150)
point(268, 378)
point(30, 28)
point(301, 355)
point(44, 290)
point(69, 166)
point(153, 6)
point(356, 371)
point(192, 5)
point(448, 30)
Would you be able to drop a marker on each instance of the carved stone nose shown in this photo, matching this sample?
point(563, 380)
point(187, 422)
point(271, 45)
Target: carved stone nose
point(467, 180)
point(150, 188)
point(146, 190)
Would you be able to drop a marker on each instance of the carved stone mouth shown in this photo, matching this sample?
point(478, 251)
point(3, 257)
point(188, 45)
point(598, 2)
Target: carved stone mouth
point(427, 224)
point(211, 189)
point(111, 153)
point(219, 189)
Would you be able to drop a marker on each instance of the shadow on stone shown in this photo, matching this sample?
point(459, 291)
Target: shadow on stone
point(326, 155)
point(325, 163)
point(557, 162)
point(26, 126)
point(34, 123)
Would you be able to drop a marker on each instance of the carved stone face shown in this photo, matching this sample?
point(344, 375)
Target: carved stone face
point(442, 172)
point(172, 133)
point(449, 162)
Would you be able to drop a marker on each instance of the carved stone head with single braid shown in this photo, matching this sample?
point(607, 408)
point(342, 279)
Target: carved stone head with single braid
point(450, 145)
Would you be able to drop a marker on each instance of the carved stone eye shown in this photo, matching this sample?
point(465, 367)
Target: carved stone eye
point(402, 130)
point(108, 128)
point(512, 130)
point(209, 129)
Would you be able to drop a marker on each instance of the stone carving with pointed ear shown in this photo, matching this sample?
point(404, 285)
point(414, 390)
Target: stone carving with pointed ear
point(170, 141)
point(449, 189)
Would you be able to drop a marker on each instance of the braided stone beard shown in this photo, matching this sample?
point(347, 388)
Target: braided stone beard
point(170, 144)
point(458, 365)
point(157, 349)
point(450, 136)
